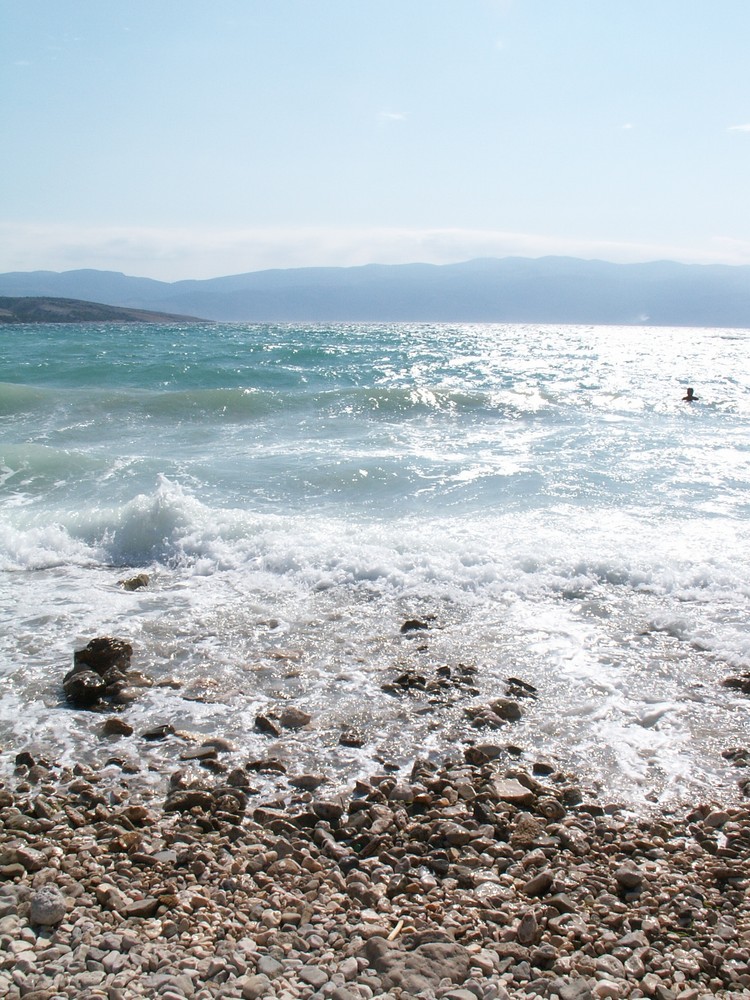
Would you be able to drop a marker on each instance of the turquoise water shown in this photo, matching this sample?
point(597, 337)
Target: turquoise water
point(296, 493)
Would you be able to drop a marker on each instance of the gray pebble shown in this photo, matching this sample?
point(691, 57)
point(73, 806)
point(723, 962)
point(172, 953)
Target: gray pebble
point(48, 906)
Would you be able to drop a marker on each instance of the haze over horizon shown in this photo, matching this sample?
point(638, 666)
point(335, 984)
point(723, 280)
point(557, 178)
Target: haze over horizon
point(183, 140)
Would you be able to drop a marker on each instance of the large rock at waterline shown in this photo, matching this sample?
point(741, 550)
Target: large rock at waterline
point(103, 653)
point(100, 672)
point(740, 683)
point(83, 688)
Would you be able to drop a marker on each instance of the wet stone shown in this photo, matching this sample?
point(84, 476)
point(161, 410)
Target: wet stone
point(267, 726)
point(157, 733)
point(83, 688)
point(199, 753)
point(294, 718)
point(352, 738)
point(116, 727)
point(137, 582)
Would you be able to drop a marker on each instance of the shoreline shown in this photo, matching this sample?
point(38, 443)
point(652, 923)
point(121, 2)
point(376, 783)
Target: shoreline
point(466, 879)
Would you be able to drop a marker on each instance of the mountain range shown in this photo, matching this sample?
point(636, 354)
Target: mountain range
point(44, 309)
point(506, 290)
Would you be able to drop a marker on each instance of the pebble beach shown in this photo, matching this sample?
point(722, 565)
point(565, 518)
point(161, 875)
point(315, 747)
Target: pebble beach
point(465, 880)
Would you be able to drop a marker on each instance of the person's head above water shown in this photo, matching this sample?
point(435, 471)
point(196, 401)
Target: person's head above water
point(690, 396)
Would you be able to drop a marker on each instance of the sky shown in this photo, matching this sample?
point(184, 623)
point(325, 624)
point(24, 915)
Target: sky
point(195, 138)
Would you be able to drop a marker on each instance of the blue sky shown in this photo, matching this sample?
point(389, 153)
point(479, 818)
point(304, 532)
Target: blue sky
point(188, 138)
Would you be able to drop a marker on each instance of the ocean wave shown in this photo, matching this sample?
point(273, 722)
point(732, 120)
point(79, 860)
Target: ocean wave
point(35, 468)
point(19, 398)
point(488, 554)
point(249, 403)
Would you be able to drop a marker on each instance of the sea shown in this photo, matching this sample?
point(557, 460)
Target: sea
point(538, 502)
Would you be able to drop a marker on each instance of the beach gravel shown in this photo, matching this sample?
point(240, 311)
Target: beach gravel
point(458, 881)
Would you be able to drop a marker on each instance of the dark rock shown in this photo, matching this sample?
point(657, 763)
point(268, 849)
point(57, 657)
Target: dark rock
point(739, 683)
point(411, 679)
point(116, 727)
point(294, 718)
point(268, 765)
point(135, 582)
point(543, 767)
point(199, 753)
point(330, 811)
point(516, 688)
point(563, 903)
point(506, 708)
point(122, 695)
point(146, 907)
point(102, 653)
point(572, 796)
point(482, 753)
point(352, 738)
point(125, 765)
point(739, 756)
point(313, 976)
point(528, 928)
point(544, 957)
point(482, 717)
point(267, 726)
point(629, 878)
point(414, 625)
point(512, 950)
point(539, 884)
point(158, 733)
point(83, 688)
point(219, 744)
point(183, 800)
point(238, 779)
point(307, 782)
point(8, 873)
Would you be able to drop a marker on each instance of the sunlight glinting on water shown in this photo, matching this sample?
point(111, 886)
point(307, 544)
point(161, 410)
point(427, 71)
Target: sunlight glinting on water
point(296, 493)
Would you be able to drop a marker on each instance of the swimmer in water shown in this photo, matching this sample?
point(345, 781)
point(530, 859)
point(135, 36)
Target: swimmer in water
point(690, 398)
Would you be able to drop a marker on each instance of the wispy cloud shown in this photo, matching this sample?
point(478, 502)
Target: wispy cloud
point(739, 128)
point(392, 116)
point(171, 254)
point(627, 126)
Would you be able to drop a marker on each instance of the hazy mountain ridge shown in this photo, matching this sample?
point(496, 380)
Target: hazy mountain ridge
point(511, 289)
point(45, 309)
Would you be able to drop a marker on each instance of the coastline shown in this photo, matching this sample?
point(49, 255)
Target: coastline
point(463, 880)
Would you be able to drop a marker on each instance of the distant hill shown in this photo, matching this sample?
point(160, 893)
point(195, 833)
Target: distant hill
point(32, 309)
point(510, 290)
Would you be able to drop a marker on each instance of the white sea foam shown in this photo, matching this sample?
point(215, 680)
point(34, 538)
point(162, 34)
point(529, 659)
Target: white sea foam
point(535, 491)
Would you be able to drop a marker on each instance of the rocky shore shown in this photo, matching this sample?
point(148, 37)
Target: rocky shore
point(464, 880)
